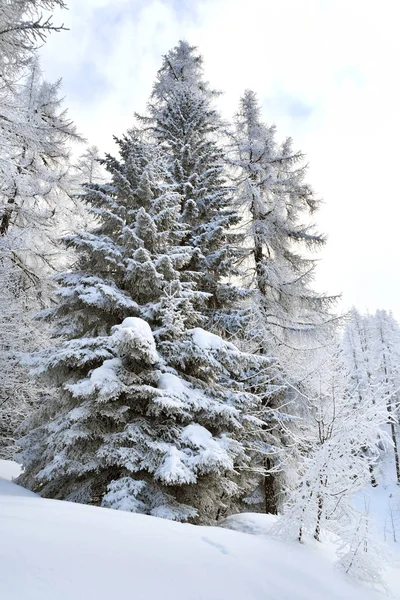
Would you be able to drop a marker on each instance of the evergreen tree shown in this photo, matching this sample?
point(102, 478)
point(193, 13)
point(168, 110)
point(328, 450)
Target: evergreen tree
point(184, 121)
point(154, 414)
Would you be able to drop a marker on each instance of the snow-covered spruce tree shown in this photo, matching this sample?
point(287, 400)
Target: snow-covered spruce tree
point(153, 415)
point(184, 121)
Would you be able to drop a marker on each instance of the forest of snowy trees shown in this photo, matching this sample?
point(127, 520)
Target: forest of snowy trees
point(162, 347)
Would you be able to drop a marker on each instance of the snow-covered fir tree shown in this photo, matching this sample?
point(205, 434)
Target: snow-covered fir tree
point(184, 121)
point(154, 414)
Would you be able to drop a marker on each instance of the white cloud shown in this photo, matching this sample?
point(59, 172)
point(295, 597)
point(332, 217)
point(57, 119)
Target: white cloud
point(326, 74)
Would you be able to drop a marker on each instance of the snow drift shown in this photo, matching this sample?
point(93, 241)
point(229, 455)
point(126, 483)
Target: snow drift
point(59, 550)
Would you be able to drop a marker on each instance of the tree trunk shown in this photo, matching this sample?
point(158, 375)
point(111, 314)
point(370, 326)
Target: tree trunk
point(270, 496)
point(6, 218)
point(391, 420)
point(317, 531)
point(374, 482)
point(394, 440)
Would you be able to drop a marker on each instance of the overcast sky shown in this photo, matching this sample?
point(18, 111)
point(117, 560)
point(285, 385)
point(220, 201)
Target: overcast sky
point(327, 74)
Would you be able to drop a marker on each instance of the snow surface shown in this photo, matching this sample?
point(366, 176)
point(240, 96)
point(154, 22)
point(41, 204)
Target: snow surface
point(209, 341)
point(59, 550)
point(136, 331)
point(9, 469)
point(104, 379)
point(7, 488)
point(139, 325)
point(198, 435)
point(253, 523)
point(172, 383)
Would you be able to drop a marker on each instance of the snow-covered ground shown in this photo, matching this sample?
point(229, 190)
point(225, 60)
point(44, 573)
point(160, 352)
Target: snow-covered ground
point(9, 469)
point(52, 550)
point(383, 502)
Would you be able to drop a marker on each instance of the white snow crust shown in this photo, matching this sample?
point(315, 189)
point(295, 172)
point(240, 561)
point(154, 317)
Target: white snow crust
point(172, 384)
point(59, 550)
point(9, 469)
point(135, 334)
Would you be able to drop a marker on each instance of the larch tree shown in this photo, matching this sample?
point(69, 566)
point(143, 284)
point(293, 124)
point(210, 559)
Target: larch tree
point(359, 358)
point(359, 354)
point(287, 317)
point(38, 163)
point(23, 29)
point(372, 350)
point(19, 333)
point(275, 201)
point(34, 197)
point(154, 414)
point(386, 334)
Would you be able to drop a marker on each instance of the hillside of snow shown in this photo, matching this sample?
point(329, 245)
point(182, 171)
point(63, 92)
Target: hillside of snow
point(53, 550)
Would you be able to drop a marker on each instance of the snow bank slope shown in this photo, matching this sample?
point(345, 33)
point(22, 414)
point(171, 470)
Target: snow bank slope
point(11, 489)
point(57, 550)
point(9, 469)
